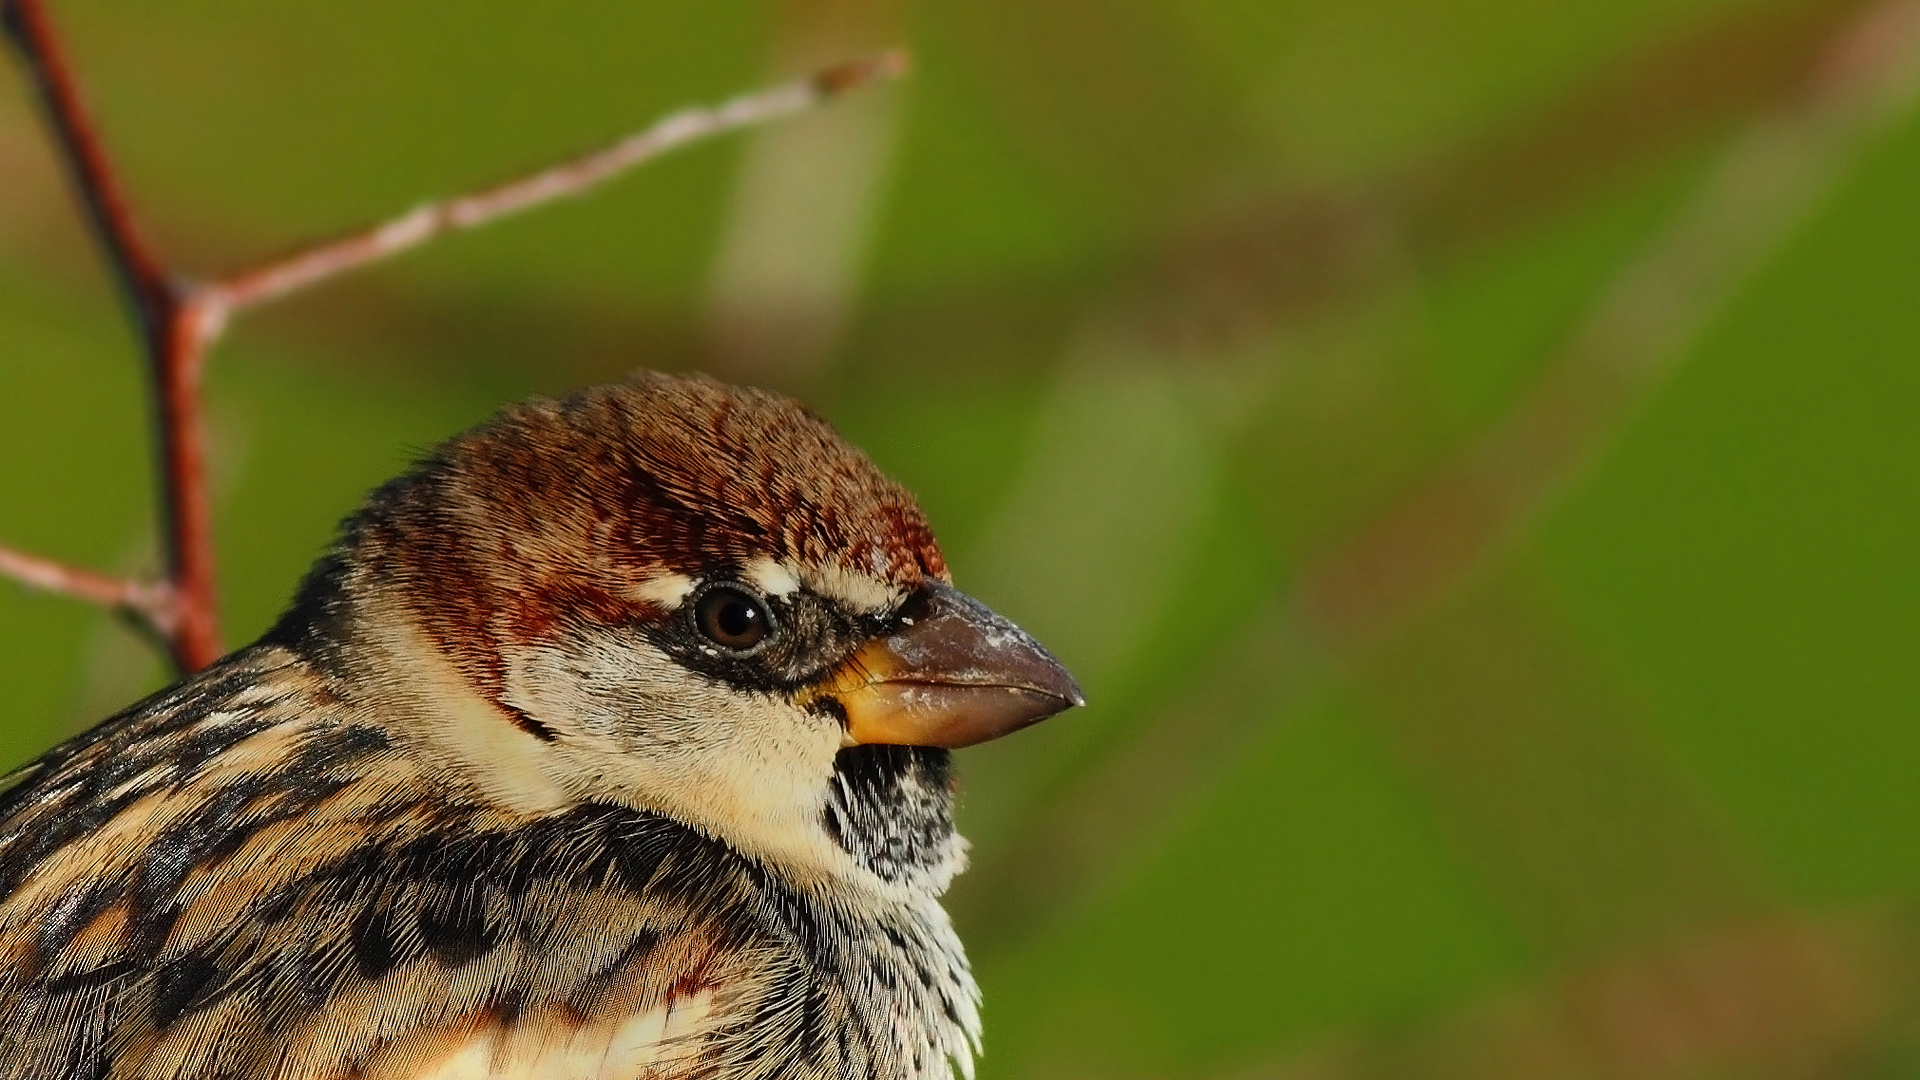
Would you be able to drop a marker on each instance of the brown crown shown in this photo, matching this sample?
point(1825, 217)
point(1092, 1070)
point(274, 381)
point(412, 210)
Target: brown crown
point(563, 509)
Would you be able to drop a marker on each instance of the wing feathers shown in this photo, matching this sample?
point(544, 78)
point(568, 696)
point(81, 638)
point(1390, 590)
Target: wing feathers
point(665, 1042)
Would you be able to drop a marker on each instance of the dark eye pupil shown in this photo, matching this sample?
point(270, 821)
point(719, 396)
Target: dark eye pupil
point(732, 619)
point(737, 619)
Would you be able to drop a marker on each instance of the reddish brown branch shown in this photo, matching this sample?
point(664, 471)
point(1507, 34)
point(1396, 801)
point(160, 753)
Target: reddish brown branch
point(187, 506)
point(172, 330)
point(178, 323)
point(138, 267)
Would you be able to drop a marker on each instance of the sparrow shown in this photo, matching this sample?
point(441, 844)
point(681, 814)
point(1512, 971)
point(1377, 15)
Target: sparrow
point(610, 742)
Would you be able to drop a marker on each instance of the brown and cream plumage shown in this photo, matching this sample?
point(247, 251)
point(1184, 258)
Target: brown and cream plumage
point(609, 742)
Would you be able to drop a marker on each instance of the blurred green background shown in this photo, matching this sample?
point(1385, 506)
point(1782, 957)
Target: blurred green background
point(1470, 453)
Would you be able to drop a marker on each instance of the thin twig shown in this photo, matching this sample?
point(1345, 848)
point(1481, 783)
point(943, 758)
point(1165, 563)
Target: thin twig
point(149, 601)
point(569, 178)
point(179, 322)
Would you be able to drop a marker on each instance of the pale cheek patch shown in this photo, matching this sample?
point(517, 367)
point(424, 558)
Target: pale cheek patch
point(435, 706)
point(641, 730)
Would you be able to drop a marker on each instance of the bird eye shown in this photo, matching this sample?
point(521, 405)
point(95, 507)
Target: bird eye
point(732, 618)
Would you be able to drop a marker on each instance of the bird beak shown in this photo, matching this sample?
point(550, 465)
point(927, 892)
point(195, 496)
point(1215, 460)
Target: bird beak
point(952, 674)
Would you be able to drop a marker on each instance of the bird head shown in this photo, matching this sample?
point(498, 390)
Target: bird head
point(687, 598)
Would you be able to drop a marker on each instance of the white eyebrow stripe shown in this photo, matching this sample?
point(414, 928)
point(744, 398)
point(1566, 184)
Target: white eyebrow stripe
point(668, 590)
point(863, 593)
point(773, 578)
point(859, 591)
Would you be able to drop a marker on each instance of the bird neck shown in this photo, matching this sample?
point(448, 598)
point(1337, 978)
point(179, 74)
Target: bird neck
point(890, 808)
point(906, 980)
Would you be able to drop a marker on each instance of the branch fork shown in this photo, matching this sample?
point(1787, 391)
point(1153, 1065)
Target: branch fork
point(179, 321)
